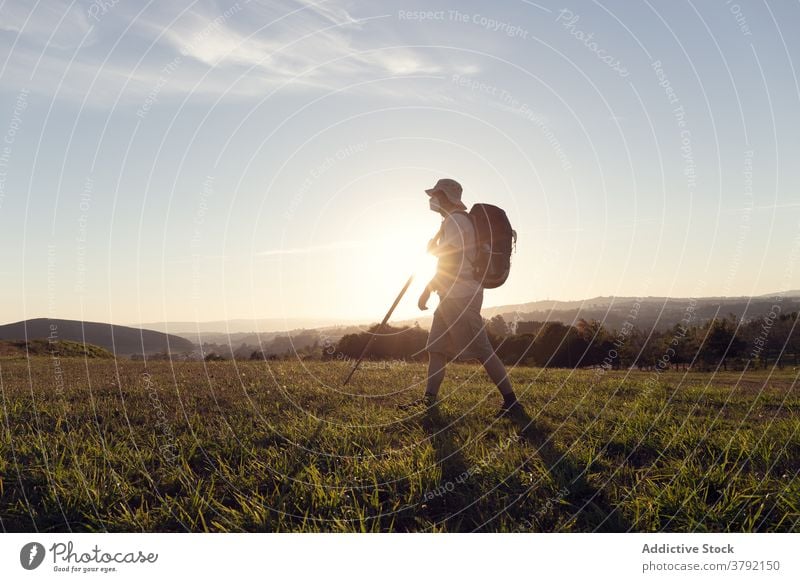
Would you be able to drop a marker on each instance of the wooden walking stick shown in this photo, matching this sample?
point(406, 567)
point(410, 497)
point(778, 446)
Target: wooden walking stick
point(378, 330)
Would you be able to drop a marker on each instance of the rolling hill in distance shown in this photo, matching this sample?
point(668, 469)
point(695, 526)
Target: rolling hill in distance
point(118, 339)
point(658, 312)
point(663, 312)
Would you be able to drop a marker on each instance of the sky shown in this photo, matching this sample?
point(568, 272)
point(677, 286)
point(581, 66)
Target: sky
point(200, 161)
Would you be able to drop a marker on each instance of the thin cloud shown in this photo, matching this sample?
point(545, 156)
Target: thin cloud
point(272, 253)
point(282, 42)
point(58, 23)
point(778, 206)
point(329, 11)
point(746, 209)
point(350, 244)
point(285, 50)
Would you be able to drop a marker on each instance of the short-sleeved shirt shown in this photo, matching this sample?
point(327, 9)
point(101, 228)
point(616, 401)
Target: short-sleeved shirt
point(458, 232)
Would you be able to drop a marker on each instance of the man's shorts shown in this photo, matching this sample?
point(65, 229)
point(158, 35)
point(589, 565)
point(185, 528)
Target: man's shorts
point(458, 331)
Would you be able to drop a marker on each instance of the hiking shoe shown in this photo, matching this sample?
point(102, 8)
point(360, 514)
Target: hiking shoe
point(513, 409)
point(423, 403)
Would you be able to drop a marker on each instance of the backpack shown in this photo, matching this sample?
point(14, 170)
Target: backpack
point(495, 240)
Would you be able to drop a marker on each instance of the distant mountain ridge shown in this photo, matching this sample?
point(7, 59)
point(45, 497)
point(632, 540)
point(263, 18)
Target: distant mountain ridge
point(118, 339)
point(653, 311)
point(649, 312)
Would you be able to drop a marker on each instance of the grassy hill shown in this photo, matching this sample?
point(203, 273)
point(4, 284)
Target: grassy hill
point(61, 348)
point(257, 446)
point(118, 339)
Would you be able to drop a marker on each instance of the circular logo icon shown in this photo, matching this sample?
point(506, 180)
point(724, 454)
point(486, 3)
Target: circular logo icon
point(31, 555)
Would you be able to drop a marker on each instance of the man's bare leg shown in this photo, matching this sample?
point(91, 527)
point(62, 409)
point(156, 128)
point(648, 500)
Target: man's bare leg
point(436, 371)
point(497, 372)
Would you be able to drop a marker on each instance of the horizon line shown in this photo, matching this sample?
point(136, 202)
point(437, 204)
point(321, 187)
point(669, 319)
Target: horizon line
point(357, 320)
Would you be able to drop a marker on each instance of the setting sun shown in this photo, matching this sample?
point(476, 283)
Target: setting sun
point(377, 257)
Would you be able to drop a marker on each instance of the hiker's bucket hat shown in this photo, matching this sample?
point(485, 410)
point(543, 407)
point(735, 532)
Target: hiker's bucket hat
point(451, 189)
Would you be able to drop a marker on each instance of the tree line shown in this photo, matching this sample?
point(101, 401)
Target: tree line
point(719, 343)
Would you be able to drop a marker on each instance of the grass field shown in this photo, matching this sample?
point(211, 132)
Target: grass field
point(95, 445)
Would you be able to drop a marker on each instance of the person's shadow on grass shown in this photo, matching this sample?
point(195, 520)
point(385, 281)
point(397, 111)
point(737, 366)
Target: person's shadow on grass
point(445, 503)
point(591, 507)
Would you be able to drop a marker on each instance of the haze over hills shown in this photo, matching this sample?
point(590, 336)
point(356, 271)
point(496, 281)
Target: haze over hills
point(662, 312)
point(279, 335)
point(118, 339)
point(240, 326)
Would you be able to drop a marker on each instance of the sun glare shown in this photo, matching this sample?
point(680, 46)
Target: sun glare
point(400, 257)
point(389, 243)
point(391, 258)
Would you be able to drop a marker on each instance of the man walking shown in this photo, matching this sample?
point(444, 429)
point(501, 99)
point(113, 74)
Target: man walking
point(457, 331)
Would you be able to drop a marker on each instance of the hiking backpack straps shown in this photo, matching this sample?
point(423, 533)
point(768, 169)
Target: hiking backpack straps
point(495, 241)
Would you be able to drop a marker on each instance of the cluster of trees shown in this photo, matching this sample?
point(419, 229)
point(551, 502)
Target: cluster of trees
point(392, 343)
point(725, 342)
